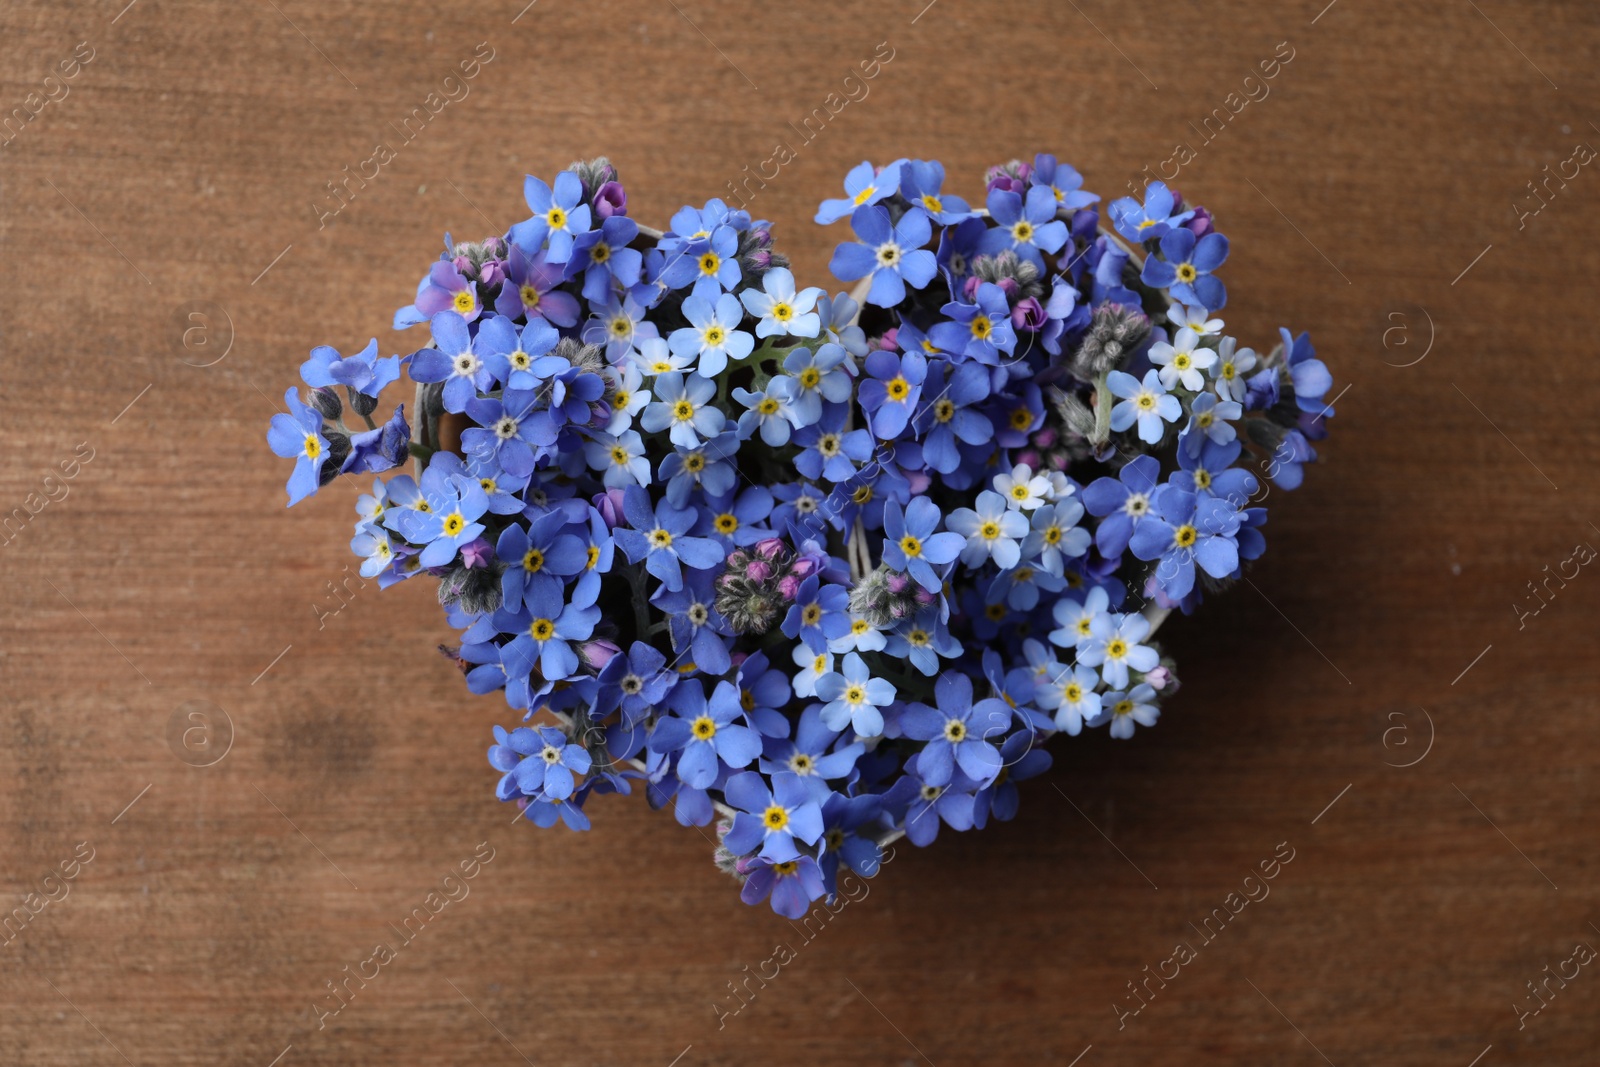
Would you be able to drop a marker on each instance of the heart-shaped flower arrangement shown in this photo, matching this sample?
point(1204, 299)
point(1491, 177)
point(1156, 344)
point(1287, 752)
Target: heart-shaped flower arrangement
point(826, 573)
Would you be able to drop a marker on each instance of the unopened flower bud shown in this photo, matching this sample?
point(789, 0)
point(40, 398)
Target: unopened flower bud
point(326, 402)
point(477, 553)
point(596, 654)
point(361, 403)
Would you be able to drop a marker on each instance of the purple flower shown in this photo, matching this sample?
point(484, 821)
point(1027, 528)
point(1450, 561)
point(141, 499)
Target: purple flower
point(530, 289)
point(509, 429)
point(808, 755)
point(635, 682)
point(892, 254)
point(920, 184)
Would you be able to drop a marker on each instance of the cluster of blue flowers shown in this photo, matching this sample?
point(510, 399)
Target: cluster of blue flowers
point(826, 573)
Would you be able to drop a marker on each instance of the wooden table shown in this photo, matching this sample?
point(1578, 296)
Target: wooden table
point(1369, 703)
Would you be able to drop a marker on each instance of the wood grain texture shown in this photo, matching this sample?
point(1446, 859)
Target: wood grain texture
point(179, 174)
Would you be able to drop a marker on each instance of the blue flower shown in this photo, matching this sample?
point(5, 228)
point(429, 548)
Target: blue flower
point(808, 756)
point(792, 884)
point(854, 698)
point(1069, 691)
point(889, 394)
point(1151, 220)
point(378, 552)
point(771, 820)
point(511, 428)
point(696, 626)
point(379, 449)
point(1076, 619)
point(1022, 760)
point(707, 467)
point(634, 682)
point(683, 407)
point(980, 330)
point(1027, 227)
point(959, 732)
point(1056, 535)
point(993, 531)
point(828, 450)
point(863, 185)
point(545, 627)
point(764, 689)
point(842, 816)
point(947, 418)
point(1019, 587)
point(736, 521)
point(620, 326)
point(1210, 422)
point(622, 461)
point(1114, 647)
point(657, 538)
point(921, 640)
point(1064, 183)
point(820, 613)
point(364, 372)
point(712, 337)
point(1209, 471)
point(705, 732)
point(952, 804)
point(557, 216)
point(455, 362)
point(1308, 375)
point(782, 310)
point(519, 361)
point(1137, 705)
point(920, 184)
point(815, 376)
point(1182, 530)
point(1122, 503)
point(713, 258)
point(912, 546)
point(1147, 403)
point(1187, 266)
point(770, 412)
point(454, 506)
point(540, 761)
point(604, 257)
point(541, 555)
point(892, 254)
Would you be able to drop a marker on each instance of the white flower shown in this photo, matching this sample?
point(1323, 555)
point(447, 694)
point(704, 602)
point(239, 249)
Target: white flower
point(1076, 620)
point(1195, 319)
point(1022, 489)
point(622, 460)
point(1135, 706)
point(628, 399)
point(1182, 361)
point(1230, 369)
point(781, 309)
point(992, 531)
point(654, 357)
point(1114, 647)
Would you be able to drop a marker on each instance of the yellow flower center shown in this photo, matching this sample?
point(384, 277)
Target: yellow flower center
point(898, 388)
point(710, 262)
point(1022, 232)
point(660, 538)
point(944, 410)
point(556, 217)
point(932, 203)
point(1202, 478)
point(463, 302)
point(1185, 536)
point(313, 446)
point(1116, 648)
point(714, 336)
point(862, 495)
point(1021, 419)
point(520, 360)
point(694, 462)
point(981, 327)
point(704, 728)
point(811, 614)
point(954, 730)
point(542, 630)
point(855, 694)
point(810, 377)
point(726, 523)
point(989, 531)
point(918, 638)
point(454, 523)
point(782, 312)
point(775, 818)
point(768, 406)
point(911, 546)
point(683, 411)
point(619, 455)
point(864, 195)
point(1187, 273)
point(600, 252)
point(594, 557)
point(530, 297)
point(533, 561)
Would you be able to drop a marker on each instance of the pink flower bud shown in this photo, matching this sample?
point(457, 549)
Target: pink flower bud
point(789, 586)
point(1158, 678)
point(923, 597)
point(609, 505)
point(1045, 438)
point(769, 548)
point(1030, 457)
point(1028, 314)
point(969, 288)
point(598, 653)
point(920, 481)
point(610, 199)
point(477, 553)
point(801, 569)
point(897, 583)
point(758, 570)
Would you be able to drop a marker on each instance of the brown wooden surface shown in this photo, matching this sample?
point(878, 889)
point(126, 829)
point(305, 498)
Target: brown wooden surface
point(1390, 152)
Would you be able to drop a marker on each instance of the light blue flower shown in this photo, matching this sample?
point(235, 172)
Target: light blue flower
point(854, 698)
point(863, 185)
point(1147, 403)
point(712, 337)
point(782, 310)
point(892, 254)
point(683, 408)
